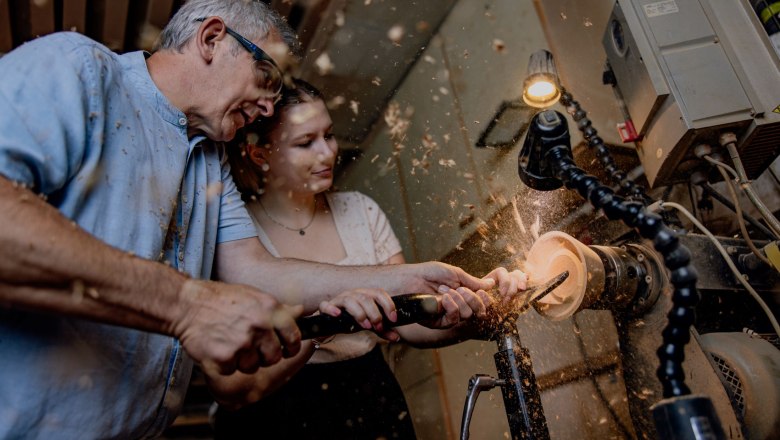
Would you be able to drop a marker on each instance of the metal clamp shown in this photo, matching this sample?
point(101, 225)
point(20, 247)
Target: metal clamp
point(477, 384)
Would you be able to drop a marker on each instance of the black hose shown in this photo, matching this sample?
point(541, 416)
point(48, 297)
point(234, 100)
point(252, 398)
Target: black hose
point(617, 176)
point(676, 258)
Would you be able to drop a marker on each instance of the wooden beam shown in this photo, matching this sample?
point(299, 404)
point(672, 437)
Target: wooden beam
point(151, 22)
point(311, 21)
point(74, 13)
point(6, 39)
point(322, 34)
point(159, 12)
point(115, 24)
point(41, 17)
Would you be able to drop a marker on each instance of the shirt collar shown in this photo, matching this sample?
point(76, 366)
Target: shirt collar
point(138, 74)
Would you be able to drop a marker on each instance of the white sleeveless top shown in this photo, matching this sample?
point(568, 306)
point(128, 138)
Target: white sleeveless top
point(368, 239)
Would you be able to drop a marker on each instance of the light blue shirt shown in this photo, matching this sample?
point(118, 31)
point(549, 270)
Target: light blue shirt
point(89, 129)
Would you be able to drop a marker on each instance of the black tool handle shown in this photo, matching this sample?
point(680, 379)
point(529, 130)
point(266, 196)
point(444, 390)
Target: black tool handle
point(410, 308)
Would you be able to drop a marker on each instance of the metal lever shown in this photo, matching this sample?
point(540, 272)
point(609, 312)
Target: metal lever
point(477, 384)
point(410, 308)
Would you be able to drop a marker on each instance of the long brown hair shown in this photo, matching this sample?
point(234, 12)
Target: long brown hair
point(247, 175)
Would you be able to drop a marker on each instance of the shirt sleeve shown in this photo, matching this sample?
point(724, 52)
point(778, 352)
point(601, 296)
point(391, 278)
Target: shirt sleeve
point(47, 111)
point(386, 244)
point(234, 220)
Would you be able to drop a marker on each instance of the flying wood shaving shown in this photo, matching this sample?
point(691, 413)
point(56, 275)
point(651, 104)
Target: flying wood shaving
point(395, 34)
point(535, 228)
point(397, 124)
point(483, 229)
point(353, 105)
point(336, 102)
point(447, 163)
point(213, 190)
point(252, 138)
point(386, 167)
point(499, 46)
point(147, 36)
point(429, 144)
point(324, 65)
point(516, 215)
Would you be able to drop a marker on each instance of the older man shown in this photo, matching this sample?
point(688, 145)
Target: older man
point(114, 211)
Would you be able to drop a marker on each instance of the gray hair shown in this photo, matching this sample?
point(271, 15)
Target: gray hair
point(250, 18)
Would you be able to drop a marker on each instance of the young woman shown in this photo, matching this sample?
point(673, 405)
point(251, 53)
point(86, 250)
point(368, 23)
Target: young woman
point(341, 387)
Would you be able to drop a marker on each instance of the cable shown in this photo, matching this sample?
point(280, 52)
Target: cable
point(731, 146)
point(694, 199)
point(740, 219)
point(712, 192)
point(737, 274)
point(718, 163)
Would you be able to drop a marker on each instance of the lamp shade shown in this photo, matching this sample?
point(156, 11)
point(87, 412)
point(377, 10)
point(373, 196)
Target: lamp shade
point(541, 88)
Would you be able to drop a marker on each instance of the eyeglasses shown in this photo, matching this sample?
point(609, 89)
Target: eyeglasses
point(269, 76)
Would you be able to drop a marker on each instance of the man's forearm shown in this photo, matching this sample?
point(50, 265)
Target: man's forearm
point(303, 282)
point(48, 263)
point(422, 337)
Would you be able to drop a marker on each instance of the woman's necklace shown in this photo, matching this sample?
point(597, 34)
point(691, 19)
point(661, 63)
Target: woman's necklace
point(301, 231)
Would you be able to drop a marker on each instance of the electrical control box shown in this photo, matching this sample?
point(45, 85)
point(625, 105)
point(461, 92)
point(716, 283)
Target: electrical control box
point(690, 70)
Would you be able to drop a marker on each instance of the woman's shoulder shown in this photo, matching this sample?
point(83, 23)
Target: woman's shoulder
point(347, 195)
point(344, 200)
point(351, 199)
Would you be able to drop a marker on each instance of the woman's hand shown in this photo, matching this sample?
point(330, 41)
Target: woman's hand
point(509, 283)
point(459, 305)
point(462, 303)
point(367, 307)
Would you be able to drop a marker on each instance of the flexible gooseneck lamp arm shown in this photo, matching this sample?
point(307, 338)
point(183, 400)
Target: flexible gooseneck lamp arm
point(546, 158)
